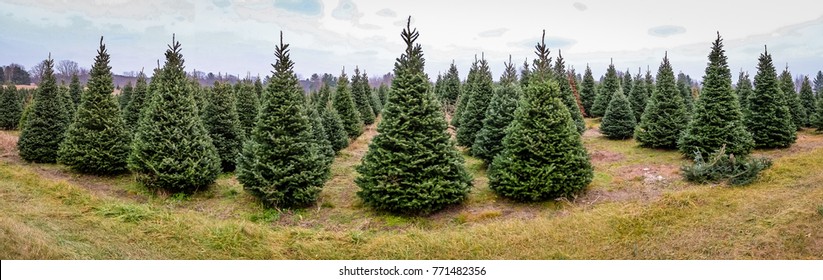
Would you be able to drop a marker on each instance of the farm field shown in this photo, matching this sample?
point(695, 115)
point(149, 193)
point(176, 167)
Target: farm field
point(637, 207)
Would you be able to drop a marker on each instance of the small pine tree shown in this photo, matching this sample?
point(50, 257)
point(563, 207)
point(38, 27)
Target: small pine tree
point(412, 166)
point(743, 90)
point(375, 102)
point(334, 128)
point(799, 116)
point(818, 85)
point(587, 93)
point(223, 123)
point(11, 107)
point(75, 90)
point(465, 95)
point(451, 86)
point(567, 96)
point(172, 149)
point(67, 102)
point(807, 100)
point(247, 107)
point(45, 125)
point(618, 122)
point(281, 164)
point(383, 92)
point(717, 120)
point(320, 136)
point(543, 156)
point(638, 97)
point(475, 111)
point(97, 141)
point(817, 117)
point(125, 95)
point(138, 100)
point(345, 107)
point(685, 88)
point(769, 118)
point(525, 73)
point(627, 83)
point(604, 96)
point(664, 118)
point(360, 94)
point(258, 89)
point(498, 116)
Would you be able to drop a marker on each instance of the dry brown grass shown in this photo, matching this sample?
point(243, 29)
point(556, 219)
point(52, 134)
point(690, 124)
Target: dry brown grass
point(8, 144)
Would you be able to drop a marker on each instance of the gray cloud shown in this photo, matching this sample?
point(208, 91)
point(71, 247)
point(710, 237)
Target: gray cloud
point(580, 6)
point(552, 42)
point(493, 33)
point(666, 30)
point(386, 13)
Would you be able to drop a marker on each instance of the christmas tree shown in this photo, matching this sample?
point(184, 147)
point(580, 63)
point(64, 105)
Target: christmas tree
point(769, 118)
point(665, 117)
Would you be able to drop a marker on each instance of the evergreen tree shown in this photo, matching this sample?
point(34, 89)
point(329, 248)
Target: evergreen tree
point(649, 83)
point(344, 104)
point(258, 89)
point(543, 155)
point(125, 95)
point(618, 122)
point(97, 141)
point(604, 96)
point(627, 83)
point(817, 116)
point(808, 100)
point(375, 102)
point(361, 97)
point(638, 97)
point(818, 85)
point(769, 118)
point(45, 125)
point(66, 100)
point(465, 94)
point(412, 166)
point(172, 149)
point(383, 92)
point(321, 137)
point(567, 96)
point(248, 105)
point(75, 90)
point(475, 111)
point(282, 164)
point(11, 107)
point(525, 73)
point(717, 120)
point(743, 90)
point(587, 93)
point(498, 116)
point(333, 125)
point(664, 118)
point(451, 86)
point(223, 123)
point(138, 100)
point(799, 117)
point(684, 86)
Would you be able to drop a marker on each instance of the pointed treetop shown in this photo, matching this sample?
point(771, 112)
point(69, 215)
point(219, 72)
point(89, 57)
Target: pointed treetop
point(542, 65)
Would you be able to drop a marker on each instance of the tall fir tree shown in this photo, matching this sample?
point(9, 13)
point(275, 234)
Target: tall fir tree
point(587, 91)
point(618, 121)
point(610, 85)
point(374, 102)
point(818, 85)
point(46, 122)
point(65, 95)
point(665, 117)
point(716, 120)
point(75, 90)
point(498, 116)
point(97, 141)
point(376, 105)
point(799, 116)
point(451, 86)
point(258, 89)
point(412, 166)
point(138, 101)
point(125, 95)
point(320, 136)
point(345, 107)
point(361, 97)
point(223, 123)
point(743, 89)
point(685, 88)
point(638, 97)
point(172, 149)
point(282, 164)
point(808, 101)
point(627, 82)
point(383, 93)
point(472, 116)
point(11, 107)
point(769, 118)
point(649, 83)
point(247, 107)
point(525, 73)
point(567, 96)
point(543, 156)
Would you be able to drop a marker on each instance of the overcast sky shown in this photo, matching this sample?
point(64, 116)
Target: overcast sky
point(325, 35)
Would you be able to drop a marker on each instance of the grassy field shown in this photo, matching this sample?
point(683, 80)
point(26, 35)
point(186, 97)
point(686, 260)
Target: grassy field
point(637, 207)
